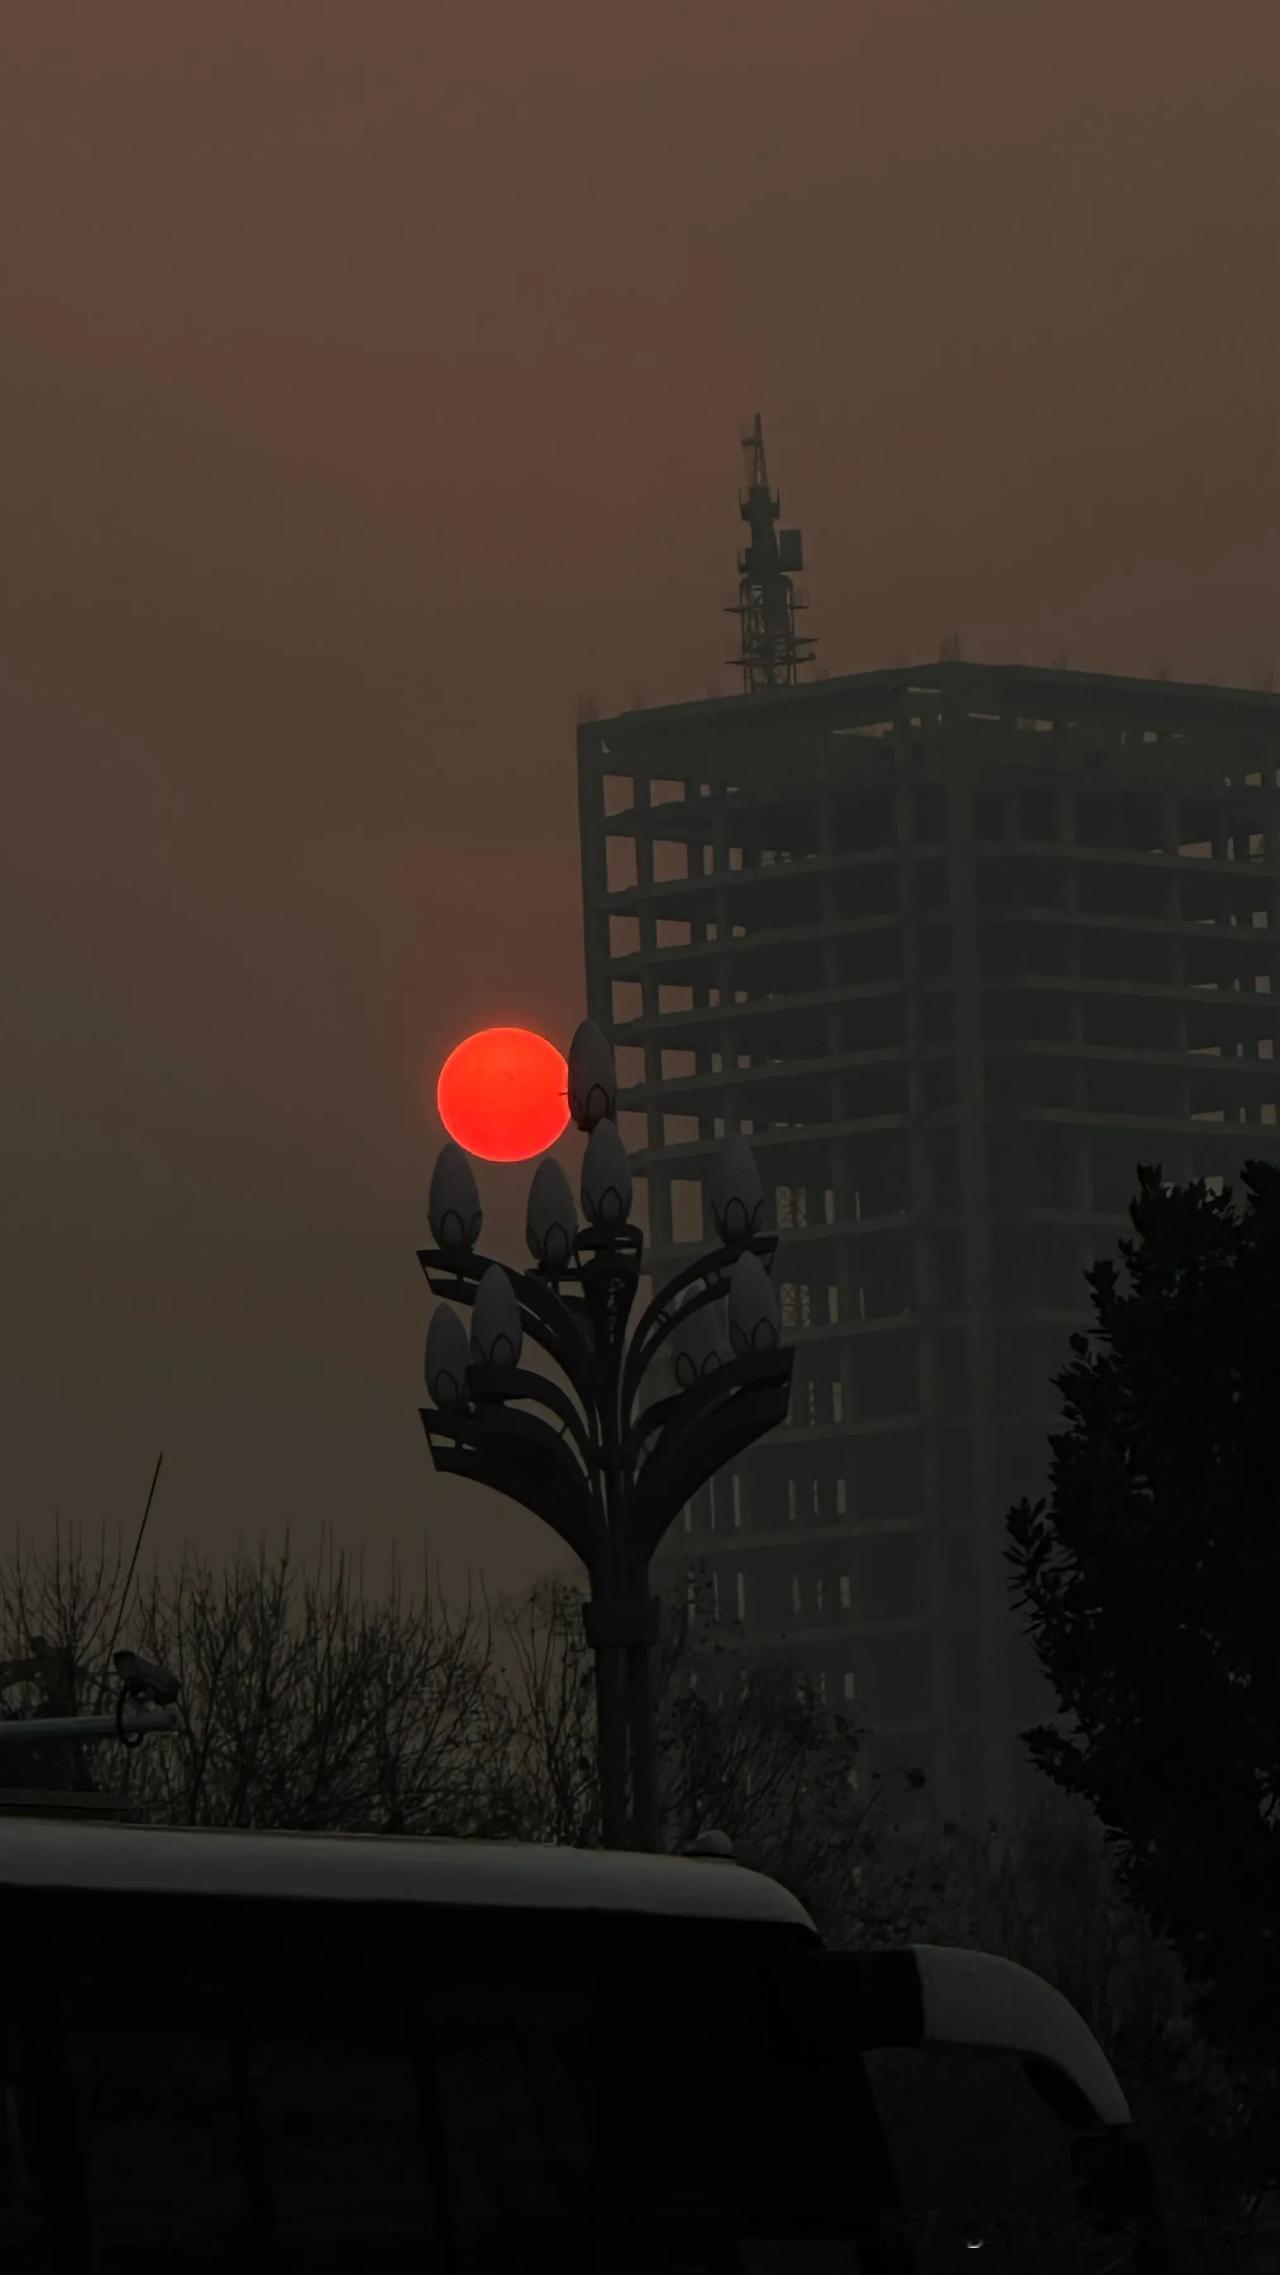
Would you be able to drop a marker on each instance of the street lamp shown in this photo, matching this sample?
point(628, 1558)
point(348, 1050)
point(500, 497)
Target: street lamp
point(608, 1474)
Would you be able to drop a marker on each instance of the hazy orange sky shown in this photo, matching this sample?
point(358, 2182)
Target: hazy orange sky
point(372, 383)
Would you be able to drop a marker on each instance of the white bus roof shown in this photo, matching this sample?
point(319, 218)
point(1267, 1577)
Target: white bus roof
point(372, 1869)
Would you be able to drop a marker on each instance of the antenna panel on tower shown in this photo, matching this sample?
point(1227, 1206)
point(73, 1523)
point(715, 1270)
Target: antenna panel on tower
point(773, 652)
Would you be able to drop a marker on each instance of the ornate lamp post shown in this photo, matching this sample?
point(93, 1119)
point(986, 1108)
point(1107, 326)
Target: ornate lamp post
point(606, 1472)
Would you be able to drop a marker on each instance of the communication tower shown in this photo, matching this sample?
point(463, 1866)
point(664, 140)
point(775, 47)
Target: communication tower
point(772, 649)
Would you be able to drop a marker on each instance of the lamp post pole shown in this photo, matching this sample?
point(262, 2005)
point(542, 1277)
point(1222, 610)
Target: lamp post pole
point(606, 1471)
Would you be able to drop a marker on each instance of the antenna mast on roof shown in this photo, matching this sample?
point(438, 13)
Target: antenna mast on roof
point(772, 650)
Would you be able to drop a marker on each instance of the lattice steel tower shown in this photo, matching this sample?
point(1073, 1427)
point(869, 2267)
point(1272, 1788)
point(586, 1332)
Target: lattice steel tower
point(772, 650)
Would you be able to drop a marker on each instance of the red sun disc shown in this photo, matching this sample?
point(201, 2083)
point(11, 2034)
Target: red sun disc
point(503, 1094)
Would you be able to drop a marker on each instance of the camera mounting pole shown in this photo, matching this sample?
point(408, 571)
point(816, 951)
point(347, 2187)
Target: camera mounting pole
point(146, 1707)
point(78, 1729)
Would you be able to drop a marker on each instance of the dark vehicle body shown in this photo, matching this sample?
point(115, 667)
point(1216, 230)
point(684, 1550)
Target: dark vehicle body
point(261, 2051)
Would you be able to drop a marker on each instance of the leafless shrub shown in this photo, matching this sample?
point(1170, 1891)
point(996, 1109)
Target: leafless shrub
point(302, 1703)
point(548, 1685)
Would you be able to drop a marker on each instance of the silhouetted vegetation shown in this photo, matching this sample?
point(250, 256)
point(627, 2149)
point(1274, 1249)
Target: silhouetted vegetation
point(1151, 1576)
point(308, 1706)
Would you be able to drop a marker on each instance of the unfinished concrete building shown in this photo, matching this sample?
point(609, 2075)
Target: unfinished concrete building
point(957, 948)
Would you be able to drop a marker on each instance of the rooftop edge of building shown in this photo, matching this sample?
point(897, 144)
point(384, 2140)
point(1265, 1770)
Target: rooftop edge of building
point(1018, 685)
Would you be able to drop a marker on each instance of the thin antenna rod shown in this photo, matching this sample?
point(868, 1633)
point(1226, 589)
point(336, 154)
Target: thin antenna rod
point(133, 1562)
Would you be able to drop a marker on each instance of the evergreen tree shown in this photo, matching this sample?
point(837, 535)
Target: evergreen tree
point(1152, 1580)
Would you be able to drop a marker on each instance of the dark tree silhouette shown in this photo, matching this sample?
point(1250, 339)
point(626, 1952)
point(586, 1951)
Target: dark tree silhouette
point(754, 1755)
point(306, 1704)
point(1152, 1580)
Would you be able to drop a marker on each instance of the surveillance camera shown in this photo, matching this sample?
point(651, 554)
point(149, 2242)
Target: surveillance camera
point(142, 1680)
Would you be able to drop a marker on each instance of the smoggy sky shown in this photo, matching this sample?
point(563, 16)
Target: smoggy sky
point(372, 383)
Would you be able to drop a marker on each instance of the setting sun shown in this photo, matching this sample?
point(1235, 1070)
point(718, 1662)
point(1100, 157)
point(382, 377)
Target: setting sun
point(503, 1094)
